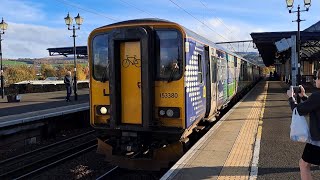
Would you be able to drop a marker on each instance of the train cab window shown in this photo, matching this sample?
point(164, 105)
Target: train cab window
point(235, 62)
point(200, 78)
point(168, 55)
point(100, 64)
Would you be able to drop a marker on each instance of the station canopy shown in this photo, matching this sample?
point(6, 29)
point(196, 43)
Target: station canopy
point(310, 45)
point(65, 51)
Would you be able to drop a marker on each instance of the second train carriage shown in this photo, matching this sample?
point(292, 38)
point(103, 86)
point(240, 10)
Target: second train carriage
point(152, 81)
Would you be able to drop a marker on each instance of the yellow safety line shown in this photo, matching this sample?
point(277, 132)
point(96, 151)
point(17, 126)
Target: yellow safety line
point(255, 159)
point(239, 159)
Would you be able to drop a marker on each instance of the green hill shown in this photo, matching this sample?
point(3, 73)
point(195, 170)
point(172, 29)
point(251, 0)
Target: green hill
point(12, 63)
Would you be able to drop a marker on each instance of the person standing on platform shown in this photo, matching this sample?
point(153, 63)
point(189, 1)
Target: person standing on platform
point(309, 105)
point(68, 83)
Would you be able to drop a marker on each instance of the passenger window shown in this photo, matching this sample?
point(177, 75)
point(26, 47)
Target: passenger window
point(235, 62)
point(200, 69)
point(214, 69)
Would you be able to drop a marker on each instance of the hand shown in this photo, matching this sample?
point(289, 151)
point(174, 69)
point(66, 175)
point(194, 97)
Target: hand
point(290, 92)
point(303, 91)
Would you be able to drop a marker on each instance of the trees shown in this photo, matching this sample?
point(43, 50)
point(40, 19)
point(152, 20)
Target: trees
point(14, 74)
point(18, 73)
point(82, 71)
point(47, 70)
point(62, 70)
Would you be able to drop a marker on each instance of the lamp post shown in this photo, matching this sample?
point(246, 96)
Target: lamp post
point(79, 21)
point(3, 27)
point(307, 4)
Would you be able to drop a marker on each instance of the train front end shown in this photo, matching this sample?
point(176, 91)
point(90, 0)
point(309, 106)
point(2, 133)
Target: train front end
point(137, 91)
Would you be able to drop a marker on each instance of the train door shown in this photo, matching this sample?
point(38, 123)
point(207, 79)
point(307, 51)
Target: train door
point(212, 84)
point(227, 75)
point(131, 84)
point(130, 60)
point(208, 80)
point(221, 78)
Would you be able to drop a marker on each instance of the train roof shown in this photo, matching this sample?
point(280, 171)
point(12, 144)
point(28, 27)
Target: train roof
point(188, 32)
point(136, 21)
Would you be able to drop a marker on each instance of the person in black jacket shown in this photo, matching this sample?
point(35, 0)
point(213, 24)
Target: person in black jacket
point(309, 105)
point(68, 83)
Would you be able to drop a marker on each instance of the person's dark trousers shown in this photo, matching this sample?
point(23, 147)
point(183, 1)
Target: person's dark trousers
point(69, 89)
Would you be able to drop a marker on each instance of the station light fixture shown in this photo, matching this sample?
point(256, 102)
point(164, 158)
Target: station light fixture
point(68, 20)
point(289, 4)
point(3, 27)
point(307, 4)
point(79, 20)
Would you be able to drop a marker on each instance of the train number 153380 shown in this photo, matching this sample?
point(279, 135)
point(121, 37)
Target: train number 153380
point(168, 95)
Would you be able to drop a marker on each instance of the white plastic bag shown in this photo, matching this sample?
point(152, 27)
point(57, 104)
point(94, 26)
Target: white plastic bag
point(316, 143)
point(299, 128)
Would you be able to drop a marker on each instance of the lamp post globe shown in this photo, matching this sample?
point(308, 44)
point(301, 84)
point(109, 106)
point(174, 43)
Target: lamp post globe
point(307, 3)
point(68, 20)
point(289, 4)
point(3, 25)
point(79, 20)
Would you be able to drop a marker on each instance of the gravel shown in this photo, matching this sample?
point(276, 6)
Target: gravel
point(6, 153)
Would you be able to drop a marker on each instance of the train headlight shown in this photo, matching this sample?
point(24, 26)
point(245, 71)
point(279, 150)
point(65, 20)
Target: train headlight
point(103, 110)
point(162, 112)
point(169, 112)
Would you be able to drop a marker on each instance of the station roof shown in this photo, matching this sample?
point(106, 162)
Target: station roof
point(65, 51)
point(310, 44)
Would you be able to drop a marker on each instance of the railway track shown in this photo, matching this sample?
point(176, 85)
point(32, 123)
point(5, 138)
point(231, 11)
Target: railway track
point(36, 161)
point(108, 173)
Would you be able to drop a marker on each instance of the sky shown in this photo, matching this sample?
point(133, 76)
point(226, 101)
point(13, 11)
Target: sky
point(35, 25)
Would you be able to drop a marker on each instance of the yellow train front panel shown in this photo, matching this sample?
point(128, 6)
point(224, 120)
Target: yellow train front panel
point(137, 76)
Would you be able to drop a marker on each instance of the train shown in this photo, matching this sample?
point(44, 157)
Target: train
point(153, 83)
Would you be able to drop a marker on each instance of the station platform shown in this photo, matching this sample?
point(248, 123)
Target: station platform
point(37, 106)
point(250, 142)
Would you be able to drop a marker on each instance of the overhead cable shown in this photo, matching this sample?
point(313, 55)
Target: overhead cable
point(87, 10)
point(137, 8)
point(201, 22)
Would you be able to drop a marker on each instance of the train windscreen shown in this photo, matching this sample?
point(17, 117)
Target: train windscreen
point(100, 64)
point(168, 54)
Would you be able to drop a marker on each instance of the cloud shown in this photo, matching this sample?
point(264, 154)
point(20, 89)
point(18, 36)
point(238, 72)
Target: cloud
point(219, 30)
point(25, 40)
point(21, 11)
point(36, 25)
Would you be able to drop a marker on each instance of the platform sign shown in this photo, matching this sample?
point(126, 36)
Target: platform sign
point(282, 45)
